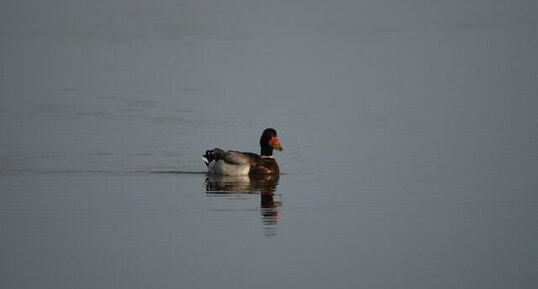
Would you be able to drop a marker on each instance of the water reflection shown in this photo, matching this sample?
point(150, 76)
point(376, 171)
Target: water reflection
point(265, 186)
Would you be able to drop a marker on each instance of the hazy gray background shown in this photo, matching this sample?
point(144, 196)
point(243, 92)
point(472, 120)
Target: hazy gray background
point(410, 131)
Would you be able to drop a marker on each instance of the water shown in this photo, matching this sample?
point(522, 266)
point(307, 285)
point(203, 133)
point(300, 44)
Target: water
point(410, 135)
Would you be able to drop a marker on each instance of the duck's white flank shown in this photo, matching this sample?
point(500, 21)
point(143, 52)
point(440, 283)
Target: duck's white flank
point(220, 167)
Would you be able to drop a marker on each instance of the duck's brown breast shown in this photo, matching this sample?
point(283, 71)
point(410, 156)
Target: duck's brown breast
point(266, 166)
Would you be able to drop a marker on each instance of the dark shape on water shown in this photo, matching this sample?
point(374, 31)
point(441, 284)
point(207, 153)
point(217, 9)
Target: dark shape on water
point(235, 163)
point(265, 185)
point(218, 184)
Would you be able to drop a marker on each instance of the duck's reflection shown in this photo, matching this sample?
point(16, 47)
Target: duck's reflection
point(265, 186)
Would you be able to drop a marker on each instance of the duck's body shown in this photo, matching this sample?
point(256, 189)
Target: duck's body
point(234, 163)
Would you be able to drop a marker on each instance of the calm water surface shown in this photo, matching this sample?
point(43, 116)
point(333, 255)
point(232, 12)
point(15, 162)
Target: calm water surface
point(410, 135)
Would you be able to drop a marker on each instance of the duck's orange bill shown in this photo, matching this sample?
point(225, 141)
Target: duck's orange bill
point(275, 143)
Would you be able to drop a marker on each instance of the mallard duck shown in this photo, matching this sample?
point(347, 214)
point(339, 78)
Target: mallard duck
point(235, 163)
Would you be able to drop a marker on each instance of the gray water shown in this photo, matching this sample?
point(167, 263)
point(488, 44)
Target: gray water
point(410, 135)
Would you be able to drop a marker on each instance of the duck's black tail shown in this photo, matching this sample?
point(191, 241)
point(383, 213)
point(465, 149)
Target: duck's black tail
point(208, 157)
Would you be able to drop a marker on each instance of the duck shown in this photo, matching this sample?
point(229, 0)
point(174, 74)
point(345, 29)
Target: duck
point(236, 163)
